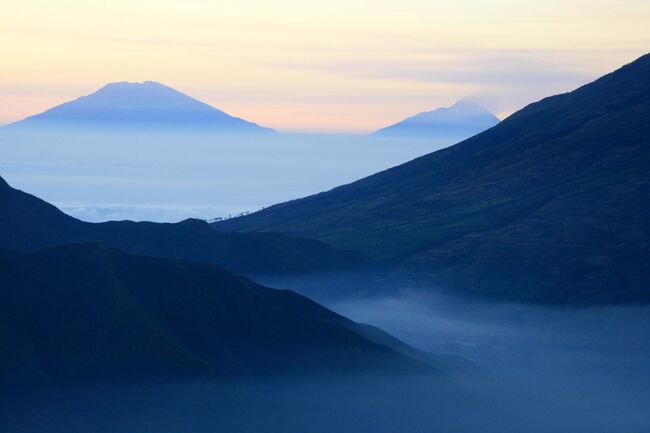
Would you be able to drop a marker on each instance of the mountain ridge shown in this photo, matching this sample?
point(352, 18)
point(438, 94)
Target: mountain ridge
point(516, 212)
point(28, 224)
point(190, 307)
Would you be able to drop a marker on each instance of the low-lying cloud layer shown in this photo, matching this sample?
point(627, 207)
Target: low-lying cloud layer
point(156, 177)
point(592, 362)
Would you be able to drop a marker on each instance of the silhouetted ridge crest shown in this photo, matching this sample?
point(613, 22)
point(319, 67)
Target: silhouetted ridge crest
point(93, 314)
point(29, 224)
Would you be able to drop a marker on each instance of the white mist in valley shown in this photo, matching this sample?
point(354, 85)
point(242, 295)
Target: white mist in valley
point(591, 364)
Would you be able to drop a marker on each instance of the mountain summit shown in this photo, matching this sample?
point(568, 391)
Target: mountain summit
point(148, 105)
point(463, 119)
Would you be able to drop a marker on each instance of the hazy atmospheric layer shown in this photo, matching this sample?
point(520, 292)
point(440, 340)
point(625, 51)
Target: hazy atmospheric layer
point(99, 177)
point(588, 368)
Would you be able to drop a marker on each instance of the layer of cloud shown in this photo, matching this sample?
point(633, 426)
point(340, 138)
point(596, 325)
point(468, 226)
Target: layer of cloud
point(143, 212)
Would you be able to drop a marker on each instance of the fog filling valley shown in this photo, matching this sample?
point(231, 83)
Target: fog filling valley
point(536, 368)
point(592, 362)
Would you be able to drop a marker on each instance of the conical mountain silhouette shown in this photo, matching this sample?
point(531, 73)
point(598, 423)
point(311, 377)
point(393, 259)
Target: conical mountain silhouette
point(463, 119)
point(149, 105)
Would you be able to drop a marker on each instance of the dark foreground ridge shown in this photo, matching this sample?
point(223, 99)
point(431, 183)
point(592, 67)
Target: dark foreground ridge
point(94, 338)
point(88, 312)
point(549, 206)
point(29, 224)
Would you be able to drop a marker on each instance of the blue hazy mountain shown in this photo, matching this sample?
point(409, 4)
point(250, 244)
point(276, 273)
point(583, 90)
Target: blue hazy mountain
point(149, 106)
point(462, 120)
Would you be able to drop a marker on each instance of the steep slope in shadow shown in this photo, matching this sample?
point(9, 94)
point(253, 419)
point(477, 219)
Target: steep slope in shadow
point(85, 326)
point(93, 312)
point(548, 206)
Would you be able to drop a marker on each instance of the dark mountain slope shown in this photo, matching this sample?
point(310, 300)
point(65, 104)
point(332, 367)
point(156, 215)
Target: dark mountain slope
point(550, 205)
point(93, 339)
point(86, 313)
point(28, 224)
point(137, 106)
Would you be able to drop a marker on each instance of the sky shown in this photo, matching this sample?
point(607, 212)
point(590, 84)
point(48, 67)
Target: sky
point(345, 66)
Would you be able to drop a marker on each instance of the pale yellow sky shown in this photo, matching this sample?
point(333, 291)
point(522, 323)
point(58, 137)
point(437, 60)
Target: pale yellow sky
point(339, 65)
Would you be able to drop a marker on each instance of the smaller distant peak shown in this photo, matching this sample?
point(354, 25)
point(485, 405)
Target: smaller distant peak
point(471, 106)
point(468, 101)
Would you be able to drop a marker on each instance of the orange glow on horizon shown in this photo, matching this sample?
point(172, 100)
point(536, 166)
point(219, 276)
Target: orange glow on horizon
point(341, 66)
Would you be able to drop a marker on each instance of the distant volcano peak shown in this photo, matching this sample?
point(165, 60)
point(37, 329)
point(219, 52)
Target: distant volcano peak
point(133, 105)
point(463, 119)
point(469, 102)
